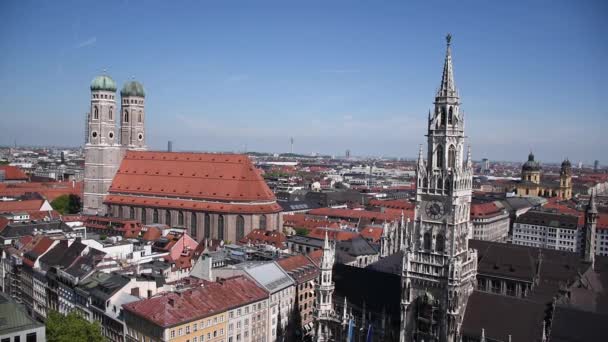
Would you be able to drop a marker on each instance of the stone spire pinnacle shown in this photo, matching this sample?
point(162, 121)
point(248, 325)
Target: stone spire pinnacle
point(469, 157)
point(447, 88)
point(326, 243)
point(592, 206)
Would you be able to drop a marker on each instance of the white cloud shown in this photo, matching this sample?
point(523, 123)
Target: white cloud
point(88, 42)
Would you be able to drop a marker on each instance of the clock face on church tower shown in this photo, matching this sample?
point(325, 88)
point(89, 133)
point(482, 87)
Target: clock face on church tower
point(435, 210)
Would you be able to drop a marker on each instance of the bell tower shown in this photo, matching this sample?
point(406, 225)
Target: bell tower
point(102, 149)
point(439, 269)
point(132, 120)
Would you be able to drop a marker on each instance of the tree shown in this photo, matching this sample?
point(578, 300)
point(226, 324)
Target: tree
point(71, 328)
point(302, 231)
point(67, 204)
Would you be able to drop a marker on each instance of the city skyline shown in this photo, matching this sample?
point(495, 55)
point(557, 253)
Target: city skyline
point(232, 80)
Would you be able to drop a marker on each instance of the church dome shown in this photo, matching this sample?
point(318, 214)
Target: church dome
point(566, 164)
point(133, 88)
point(531, 164)
point(103, 82)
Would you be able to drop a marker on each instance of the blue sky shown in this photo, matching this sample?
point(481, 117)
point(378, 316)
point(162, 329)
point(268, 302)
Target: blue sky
point(225, 75)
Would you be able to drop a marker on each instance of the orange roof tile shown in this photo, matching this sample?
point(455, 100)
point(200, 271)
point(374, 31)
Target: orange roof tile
point(17, 206)
point(261, 236)
point(333, 234)
point(13, 173)
point(206, 176)
point(171, 309)
point(354, 214)
point(371, 233)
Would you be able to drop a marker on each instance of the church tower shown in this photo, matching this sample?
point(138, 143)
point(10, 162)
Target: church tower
point(565, 180)
point(132, 128)
point(439, 269)
point(102, 149)
point(591, 215)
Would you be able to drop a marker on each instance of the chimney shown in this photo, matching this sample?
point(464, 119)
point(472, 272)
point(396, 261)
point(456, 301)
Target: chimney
point(135, 291)
point(169, 146)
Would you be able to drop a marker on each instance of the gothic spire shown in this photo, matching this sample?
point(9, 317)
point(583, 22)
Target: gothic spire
point(447, 88)
point(326, 244)
point(592, 207)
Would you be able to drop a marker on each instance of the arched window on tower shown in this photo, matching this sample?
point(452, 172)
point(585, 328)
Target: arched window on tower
point(452, 156)
point(193, 224)
point(443, 117)
point(263, 222)
point(95, 113)
point(126, 116)
point(451, 117)
point(110, 114)
point(139, 117)
point(240, 227)
point(439, 156)
point(155, 216)
point(427, 241)
point(143, 216)
point(207, 226)
point(425, 183)
point(168, 217)
point(439, 243)
point(220, 227)
point(180, 219)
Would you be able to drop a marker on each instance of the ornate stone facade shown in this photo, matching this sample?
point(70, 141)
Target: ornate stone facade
point(439, 269)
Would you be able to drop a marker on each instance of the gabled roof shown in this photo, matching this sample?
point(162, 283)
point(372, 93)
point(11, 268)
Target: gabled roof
point(170, 309)
point(204, 176)
point(299, 267)
point(25, 205)
point(269, 275)
point(356, 247)
point(13, 173)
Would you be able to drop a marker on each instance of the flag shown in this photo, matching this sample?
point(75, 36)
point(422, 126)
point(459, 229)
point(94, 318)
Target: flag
point(370, 332)
point(351, 327)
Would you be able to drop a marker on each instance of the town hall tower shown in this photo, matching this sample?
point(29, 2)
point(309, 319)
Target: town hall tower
point(439, 269)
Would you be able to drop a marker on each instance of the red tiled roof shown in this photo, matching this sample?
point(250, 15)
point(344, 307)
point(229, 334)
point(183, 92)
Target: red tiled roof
point(332, 234)
point(354, 214)
point(220, 207)
point(299, 267)
point(170, 309)
point(13, 173)
point(371, 233)
point(17, 206)
point(489, 209)
point(49, 190)
point(316, 256)
point(303, 221)
point(261, 236)
point(152, 234)
point(392, 204)
point(206, 176)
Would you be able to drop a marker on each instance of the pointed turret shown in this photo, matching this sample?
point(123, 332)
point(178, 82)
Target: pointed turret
point(469, 157)
point(592, 206)
point(447, 88)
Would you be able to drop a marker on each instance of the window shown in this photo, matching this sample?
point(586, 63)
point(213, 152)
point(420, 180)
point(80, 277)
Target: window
point(126, 116)
point(143, 216)
point(452, 156)
point(155, 216)
point(131, 213)
point(168, 218)
point(263, 222)
point(240, 227)
point(427, 241)
point(95, 113)
point(193, 224)
point(180, 332)
point(439, 156)
point(207, 225)
point(187, 329)
point(172, 333)
point(110, 114)
point(220, 227)
point(31, 337)
point(180, 219)
point(439, 243)
point(451, 117)
point(443, 118)
point(139, 117)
